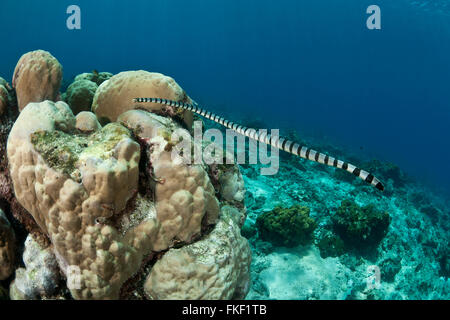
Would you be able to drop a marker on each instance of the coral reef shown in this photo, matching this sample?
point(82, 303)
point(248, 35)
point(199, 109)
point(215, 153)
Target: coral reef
point(412, 257)
point(40, 277)
point(37, 77)
point(79, 95)
point(360, 226)
point(7, 247)
point(110, 201)
point(389, 267)
point(98, 207)
point(185, 196)
point(71, 213)
point(115, 96)
point(286, 226)
point(216, 267)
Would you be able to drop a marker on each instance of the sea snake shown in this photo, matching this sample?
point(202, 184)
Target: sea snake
point(277, 142)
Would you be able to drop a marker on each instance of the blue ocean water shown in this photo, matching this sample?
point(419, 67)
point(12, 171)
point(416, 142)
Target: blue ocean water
point(308, 65)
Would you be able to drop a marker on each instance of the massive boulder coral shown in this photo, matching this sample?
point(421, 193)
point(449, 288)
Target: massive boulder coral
point(7, 246)
point(37, 77)
point(40, 277)
point(73, 186)
point(23, 222)
point(215, 267)
point(87, 122)
point(110, 199)
point(183, 192)
point(115, 96)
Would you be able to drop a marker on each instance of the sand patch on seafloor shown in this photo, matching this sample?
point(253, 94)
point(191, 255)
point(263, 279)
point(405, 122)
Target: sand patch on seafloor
point(302, 274)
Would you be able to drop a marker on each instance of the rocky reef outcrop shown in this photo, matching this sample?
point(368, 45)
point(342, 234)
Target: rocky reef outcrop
point(104, 209)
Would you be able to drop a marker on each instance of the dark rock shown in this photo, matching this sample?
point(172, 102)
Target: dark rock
point(389, 268)
point(248, 230)
point(330, 245)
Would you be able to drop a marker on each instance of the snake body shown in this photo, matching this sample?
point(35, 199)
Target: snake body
point(275, 141)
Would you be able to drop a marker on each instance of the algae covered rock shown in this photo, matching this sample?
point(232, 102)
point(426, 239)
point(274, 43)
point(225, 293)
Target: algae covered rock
point(286, 226)
point(249, 230)
point(389, 267)
point(96, 77)
point(40, 277)
point(79, 95)
point(360, 226)
point(330, 245)
point(7, 247)
point(37, 77)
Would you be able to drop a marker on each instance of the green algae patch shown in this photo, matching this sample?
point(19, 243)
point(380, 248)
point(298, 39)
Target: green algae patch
point(59, 149)
point(62, 150)
point(286, 226)
point(360, 227)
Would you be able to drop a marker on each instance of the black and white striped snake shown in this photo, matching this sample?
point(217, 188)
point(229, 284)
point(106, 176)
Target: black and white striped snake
point(277, 142)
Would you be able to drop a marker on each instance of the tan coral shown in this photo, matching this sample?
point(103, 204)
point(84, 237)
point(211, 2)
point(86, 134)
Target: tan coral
point(81, 190)
point(7, 246)
point(183, 192)
point(87, 122)
point(232, 189)
point(215, 267)
point(115, 96)
point(232, 185)
point(227, 179)
point(37, 77)
point(79, 216)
